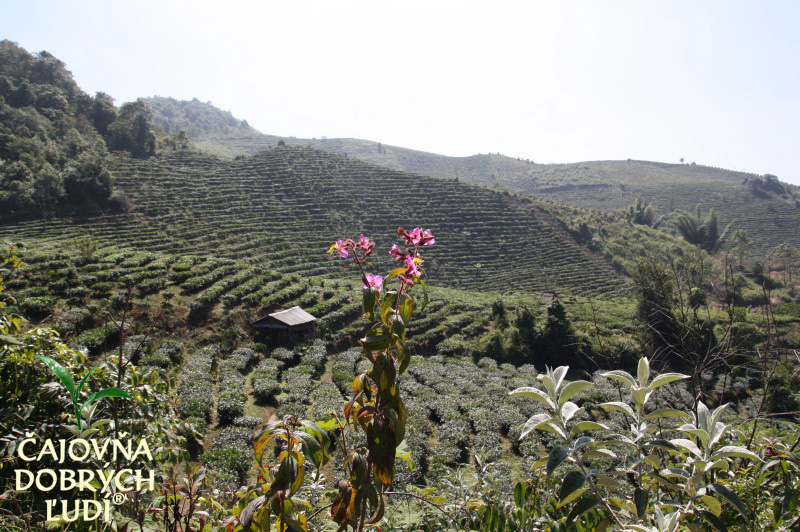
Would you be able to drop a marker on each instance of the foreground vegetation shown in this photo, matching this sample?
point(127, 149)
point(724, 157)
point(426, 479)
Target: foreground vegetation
point(466, 457)
point(566, 369)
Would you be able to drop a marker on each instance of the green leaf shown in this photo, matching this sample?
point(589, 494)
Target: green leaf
point(643, 371)
point(640, 498)
point(108, 392)
point(640, 396)
point(557, 456)
point(405, 359)
point(619, 407)
point(7, 339)
point(735, 451)
point(534, 421)
point(700, 433)
point(369, 298)
point(521, 493)
point(621, 376)
point(703, 417)
point(731, 497)
point(61, 373)
point(713, 520)
point(249, 513)
point(404, 453)
point(558, 377)
point(713, 504)
point(328, 424)
point(387, 307)
point(665, 378)
point(392, 274)
point(571, 389)
point(424, 295)
point(311, 448)
point(377, 339)
point(663, 444)
point(83, 381)
point(587, 425)
point(572, 481)
point(569, 410)
point(675, 472)
point(600, 453)
point(406, 307)
point(666, 412)
point(688, 445)
point(584, 505)
point(536, 394)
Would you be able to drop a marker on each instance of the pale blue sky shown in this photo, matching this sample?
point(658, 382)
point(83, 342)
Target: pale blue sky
point(714, 82)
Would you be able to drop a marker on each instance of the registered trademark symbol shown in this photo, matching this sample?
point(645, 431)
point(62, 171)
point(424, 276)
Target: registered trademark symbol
point(118, 499)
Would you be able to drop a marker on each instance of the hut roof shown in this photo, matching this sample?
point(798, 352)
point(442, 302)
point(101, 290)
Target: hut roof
point(286, 318)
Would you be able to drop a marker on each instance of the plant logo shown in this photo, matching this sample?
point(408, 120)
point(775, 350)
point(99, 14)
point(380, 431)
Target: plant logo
point(97, 475)
point(75, 393)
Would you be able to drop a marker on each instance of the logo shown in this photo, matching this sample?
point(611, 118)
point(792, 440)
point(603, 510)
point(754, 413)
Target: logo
point(98, 481)
point(65, 378)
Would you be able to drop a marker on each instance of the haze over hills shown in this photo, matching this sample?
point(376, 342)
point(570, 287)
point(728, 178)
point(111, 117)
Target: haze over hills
point(769, 210)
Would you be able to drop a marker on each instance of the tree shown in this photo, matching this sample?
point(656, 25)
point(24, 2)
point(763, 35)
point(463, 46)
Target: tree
point(176, 142)
point(640, 212)
point(673, 307)
point(132, 130)
point(48, 190)
point(789, 257)
point(742, 246)
point(87, 182)
point(703, 233)
point(103, 112)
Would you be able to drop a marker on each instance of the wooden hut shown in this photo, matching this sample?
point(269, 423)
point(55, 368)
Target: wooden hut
point(549, 296)
point(287, 326)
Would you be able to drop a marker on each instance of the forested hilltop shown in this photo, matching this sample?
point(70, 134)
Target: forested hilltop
point(762, 205)
point(475, 359)
point(55, 140)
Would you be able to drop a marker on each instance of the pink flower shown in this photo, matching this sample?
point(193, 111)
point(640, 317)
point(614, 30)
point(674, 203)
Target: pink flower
point(416, 237)
point(399, 256)
point(411, 266)
point(427, 238)
point(372, 281)
point(341, 248)
point(406, 280)
point(364, 243)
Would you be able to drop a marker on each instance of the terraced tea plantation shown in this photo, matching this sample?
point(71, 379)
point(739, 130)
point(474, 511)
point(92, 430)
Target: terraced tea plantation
point(282, 209)
point(768, 211)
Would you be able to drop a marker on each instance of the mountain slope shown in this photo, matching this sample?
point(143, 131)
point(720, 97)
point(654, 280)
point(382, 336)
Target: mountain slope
point(286, 205)
point(766, 208)
point(282, 208)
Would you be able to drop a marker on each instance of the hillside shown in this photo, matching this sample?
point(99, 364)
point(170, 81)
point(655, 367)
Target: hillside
point(153, 304)
point(283, 208)
point(766, 208)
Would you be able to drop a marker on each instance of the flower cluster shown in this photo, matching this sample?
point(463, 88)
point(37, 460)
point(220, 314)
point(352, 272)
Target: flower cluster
point(417, 237)
point(344, 247)
point(411, 271)
point(372, 281)
point(410, 257)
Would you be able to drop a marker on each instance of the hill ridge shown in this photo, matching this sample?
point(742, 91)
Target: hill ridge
point(766, 208)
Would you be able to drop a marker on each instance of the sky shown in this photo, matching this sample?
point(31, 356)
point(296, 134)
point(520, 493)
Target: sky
point(712, 81)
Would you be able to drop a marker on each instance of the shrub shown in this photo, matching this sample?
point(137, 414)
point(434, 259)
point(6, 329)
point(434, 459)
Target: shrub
point(230, 406)
point(193, 393)
point(72, 321)
point(37, 307)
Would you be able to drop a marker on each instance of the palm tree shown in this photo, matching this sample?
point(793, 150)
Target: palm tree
point(703, 233)
point(640, 212)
